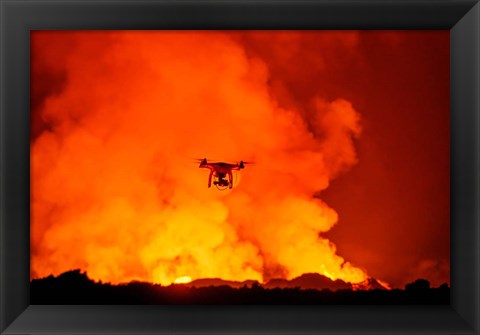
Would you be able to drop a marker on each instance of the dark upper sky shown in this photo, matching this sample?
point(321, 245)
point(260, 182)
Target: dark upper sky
point(397, 199)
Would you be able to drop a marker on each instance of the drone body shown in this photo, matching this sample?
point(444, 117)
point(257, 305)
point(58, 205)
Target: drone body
point(221, 170)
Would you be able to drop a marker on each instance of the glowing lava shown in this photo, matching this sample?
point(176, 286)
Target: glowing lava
point(183, 280)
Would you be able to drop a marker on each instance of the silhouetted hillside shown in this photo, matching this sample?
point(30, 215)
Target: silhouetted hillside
point(312, 281)
point(207, 282)
point(74, 287)
point(306, 281)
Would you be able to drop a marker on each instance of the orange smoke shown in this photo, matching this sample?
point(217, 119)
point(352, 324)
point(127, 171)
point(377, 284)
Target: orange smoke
point(114, 190)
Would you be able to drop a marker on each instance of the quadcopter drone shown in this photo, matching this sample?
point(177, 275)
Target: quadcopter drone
point(219, 171)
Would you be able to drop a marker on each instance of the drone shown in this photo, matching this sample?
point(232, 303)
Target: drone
point(219, 171)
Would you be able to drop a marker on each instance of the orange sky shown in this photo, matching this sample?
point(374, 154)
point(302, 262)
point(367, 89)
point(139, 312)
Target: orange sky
point(349, 131)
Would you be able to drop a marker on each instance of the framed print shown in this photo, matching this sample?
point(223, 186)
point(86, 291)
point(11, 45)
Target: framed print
point(230, 167)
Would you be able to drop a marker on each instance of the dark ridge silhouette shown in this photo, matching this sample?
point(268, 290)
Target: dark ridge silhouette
point(312, 281)
point(74, 287)
point(206, 282)
point(306, 281)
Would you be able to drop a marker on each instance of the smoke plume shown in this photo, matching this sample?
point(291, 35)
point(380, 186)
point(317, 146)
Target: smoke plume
point(115, 191)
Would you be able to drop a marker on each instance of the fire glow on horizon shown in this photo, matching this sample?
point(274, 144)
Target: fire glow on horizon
point(114, 190)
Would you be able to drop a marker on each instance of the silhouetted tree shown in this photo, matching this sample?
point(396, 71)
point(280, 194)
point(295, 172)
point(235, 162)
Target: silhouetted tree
point(443, 287)
point(418, 285)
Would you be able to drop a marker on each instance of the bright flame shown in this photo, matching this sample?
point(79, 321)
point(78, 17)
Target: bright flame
point(183, 280)
point(113, 189)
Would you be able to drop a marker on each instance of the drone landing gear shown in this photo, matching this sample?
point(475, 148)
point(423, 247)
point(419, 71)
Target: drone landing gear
point(221, 183)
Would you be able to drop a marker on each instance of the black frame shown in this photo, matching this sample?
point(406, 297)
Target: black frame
point(18, 17)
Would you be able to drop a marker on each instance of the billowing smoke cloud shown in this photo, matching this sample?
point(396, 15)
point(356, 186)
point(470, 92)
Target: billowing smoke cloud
point(114, 190)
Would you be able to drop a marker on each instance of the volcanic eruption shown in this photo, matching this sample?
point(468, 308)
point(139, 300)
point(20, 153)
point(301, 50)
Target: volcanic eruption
point(117, 117)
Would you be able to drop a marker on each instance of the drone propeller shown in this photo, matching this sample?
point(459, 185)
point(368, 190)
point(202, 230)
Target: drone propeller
point(242, 164)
